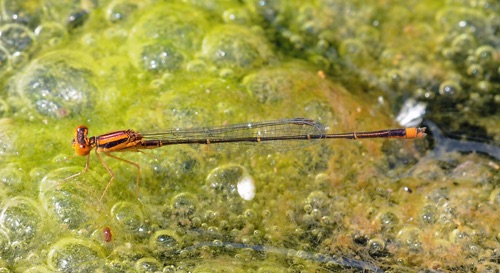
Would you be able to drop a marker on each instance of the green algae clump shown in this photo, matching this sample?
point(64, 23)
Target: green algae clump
point(297, 206)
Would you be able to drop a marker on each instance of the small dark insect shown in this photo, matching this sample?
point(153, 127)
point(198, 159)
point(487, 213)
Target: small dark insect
point(77, 19)
point(408, 189)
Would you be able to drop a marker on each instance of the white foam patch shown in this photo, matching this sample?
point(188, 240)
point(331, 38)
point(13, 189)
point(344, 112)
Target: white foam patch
point(412, 113)
point(246, 187)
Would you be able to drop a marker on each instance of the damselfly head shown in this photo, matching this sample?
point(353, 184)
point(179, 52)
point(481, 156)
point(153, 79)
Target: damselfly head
point(80, 142)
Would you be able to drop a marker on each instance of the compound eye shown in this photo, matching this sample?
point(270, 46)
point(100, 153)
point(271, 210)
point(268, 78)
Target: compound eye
point(81, 149)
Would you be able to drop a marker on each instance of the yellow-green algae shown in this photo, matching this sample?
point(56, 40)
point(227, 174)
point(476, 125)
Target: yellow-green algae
point(337, 206)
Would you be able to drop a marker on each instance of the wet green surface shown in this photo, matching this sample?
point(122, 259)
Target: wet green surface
point(371, 205)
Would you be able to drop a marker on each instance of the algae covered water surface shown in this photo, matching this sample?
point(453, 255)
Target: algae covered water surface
point(333, 206)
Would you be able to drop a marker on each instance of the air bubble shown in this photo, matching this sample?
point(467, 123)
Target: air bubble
point(17, 37)
point(168, 23)
point(196, 66)
point(181, 165)
point(223, 180)
point(12, 178)
point(162, 57)
point(184, 204)
point(353, 50)
point(484, 87)
point(19, 59)
point(121, 10)
point(66, 207)
point(450, 89)
point(76, 255)
point(388, 220)
point(22, 219)
point(428, 214)
point(57, 84)
point(475, 71)
point(148, 265)
point(410, 237)
point(485, 55)
point(269, 87)
point(51, 34)
point(127, 215)
point(317, 200)
point(376, 246)
point(235, 47)
point(464, 43)
point(165, 240)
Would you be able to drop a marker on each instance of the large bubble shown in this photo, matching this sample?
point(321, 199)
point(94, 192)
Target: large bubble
point(59, 84)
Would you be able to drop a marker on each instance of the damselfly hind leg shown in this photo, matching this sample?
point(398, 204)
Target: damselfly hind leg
point(113, 175)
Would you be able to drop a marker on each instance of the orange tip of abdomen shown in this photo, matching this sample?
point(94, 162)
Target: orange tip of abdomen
point(415, 132)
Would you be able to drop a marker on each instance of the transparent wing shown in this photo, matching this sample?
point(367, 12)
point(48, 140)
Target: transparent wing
point(276, 133)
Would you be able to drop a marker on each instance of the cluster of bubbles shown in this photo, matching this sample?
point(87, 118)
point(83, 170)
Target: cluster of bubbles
point(200, 215)
point(446, 55)
point(193, 230)
point(50, 84)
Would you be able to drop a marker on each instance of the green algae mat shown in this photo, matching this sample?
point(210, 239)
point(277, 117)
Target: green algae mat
point(372, 205)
